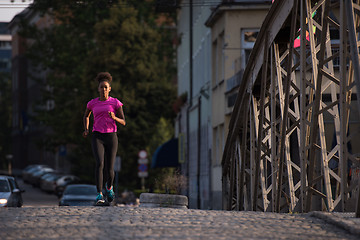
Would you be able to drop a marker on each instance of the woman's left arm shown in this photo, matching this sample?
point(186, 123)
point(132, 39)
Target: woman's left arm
point(119, 116)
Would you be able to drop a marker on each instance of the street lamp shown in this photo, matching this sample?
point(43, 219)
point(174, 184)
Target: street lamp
point(9, 158)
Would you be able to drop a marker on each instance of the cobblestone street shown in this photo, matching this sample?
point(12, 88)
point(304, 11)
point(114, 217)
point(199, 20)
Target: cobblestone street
point(160, 223)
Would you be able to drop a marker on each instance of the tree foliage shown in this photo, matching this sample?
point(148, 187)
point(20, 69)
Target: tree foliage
point(91, 36)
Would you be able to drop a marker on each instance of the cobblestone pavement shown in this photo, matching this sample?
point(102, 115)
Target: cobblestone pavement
point(160, 223)
point(345, 220)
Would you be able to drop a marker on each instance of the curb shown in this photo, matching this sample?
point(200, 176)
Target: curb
point(346, 221)
point(153, 200)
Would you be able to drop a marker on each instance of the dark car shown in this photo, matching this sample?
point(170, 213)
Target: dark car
point(63, 181)
point(10, 193)
point(29, 170)
point(79, 195)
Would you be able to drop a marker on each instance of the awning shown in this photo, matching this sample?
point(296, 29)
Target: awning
point(166, 155)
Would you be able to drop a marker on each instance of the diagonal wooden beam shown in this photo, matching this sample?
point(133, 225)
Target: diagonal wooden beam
point(315, 112)
point(287, 94)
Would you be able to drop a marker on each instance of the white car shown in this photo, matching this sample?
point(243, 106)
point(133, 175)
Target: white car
point(10, 194)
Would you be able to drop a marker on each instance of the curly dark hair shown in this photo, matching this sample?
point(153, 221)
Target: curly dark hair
point(104, 76)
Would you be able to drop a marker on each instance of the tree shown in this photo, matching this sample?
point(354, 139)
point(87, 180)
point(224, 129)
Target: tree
point(129, 49)
point(91, 36)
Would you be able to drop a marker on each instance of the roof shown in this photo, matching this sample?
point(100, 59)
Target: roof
point(233, 6)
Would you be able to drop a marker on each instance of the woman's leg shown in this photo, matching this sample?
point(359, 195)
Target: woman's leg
point(110, 152)
point(98, 151)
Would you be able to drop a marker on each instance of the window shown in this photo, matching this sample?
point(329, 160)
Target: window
point(4, 64)
point(219, 143)
point(214, 64)
point(221, 57)
point(50, 105)
point(248, 38)
point(216, 144)
point(218, 64)
point(231, 99)
point(13, 184)
point(335, 41)
point(4, 186)
point(222, 132)
point(5, 45)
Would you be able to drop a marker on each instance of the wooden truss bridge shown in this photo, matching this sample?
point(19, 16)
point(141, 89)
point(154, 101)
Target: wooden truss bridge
point(291, 145)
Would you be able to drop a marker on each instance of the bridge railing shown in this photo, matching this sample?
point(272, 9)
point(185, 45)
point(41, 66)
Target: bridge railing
point(294, 136)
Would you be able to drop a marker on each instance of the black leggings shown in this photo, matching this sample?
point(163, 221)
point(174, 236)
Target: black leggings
point(104, 145)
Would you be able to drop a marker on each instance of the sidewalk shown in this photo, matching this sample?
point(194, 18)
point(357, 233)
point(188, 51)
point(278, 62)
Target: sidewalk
point(347, 221)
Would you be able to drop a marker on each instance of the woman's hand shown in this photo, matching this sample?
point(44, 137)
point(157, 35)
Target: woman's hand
point(85, 133)
point(116, 117)
point(112, 115)
point(86, 122)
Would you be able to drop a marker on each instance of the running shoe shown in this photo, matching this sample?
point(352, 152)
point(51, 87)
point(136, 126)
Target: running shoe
point(110, 195)
point(100, 199)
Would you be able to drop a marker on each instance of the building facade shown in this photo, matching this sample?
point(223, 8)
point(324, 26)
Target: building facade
point(26, 93)
point(218, 35)
point(193, 123)
point(234, 28)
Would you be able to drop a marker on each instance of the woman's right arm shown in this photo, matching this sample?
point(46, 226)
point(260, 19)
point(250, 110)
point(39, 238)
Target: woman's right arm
point(86, 121)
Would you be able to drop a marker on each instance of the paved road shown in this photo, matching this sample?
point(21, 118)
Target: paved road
point(41, 218)
point(34, 197)
point(159, 223)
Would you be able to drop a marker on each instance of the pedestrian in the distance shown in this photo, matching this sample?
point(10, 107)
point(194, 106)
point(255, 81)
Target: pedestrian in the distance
point(107, 112)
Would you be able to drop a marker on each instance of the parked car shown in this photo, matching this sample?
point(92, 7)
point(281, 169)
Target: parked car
point(10, 193)
point(35, 177)
point(63, 181)
point(79, 195)
point(29, 170)
point(48, 181)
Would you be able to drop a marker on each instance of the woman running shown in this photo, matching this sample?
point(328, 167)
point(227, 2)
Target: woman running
point(107, 111)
